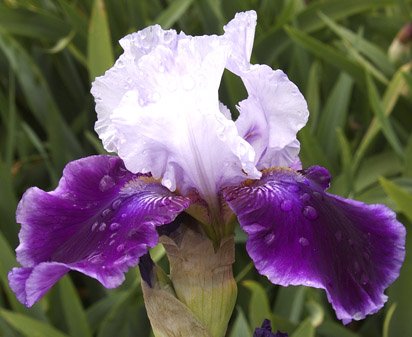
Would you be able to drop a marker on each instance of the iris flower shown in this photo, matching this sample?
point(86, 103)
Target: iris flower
point(178, 150)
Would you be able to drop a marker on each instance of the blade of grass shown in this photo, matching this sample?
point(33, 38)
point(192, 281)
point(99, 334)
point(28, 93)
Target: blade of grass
point(100, 53)
point(379, 112)
point(173, 13)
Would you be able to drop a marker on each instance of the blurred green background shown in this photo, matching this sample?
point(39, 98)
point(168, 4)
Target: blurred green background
point(336, 51)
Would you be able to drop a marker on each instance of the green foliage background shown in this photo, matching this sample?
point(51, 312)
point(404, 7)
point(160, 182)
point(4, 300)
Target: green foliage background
point(360, 128)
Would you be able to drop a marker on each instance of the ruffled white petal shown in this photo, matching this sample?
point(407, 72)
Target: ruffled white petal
point(275, 110)
point(158, 108)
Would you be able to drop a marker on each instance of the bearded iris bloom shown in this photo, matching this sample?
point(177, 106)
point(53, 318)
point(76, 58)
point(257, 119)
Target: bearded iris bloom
point(180, 151)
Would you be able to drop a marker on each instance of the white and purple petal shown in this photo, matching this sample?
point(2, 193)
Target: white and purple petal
point(300, 235)
point(275, 110)
point(159, 109)
point(99, 221)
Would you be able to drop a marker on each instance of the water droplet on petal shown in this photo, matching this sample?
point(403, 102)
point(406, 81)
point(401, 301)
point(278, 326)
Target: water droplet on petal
point(358, 316)
point(106, 183)
point(132, 233)
point(94, 226)
point(106, 212)
point(112, 242)
point(303, 241)
point(114, 226)
point(116, 204)
point(286, 205)
point(317, 195)
point(120, 247)
point(310, 213)
point(269, 237)
point(305, 197)
point(366, 256)
point(102, 227)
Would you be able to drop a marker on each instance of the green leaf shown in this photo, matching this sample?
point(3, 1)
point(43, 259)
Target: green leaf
point(379, 111)
point(31, 23)
point(100, 53)
point(259, 308)
point(240, 327)
point(402, 198)
point(290, 303)
point(305, 329)
point(387, 321)
point(73, 310)
point(172, 13)
point(394, 90)
point(30, 327)
point(334, 114)
point(329, 329)
point(63, 144)
point(326, 53)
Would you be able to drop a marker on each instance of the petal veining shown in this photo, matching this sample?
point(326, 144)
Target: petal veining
point(158, 108)
point(301, 235)
point(99, 221)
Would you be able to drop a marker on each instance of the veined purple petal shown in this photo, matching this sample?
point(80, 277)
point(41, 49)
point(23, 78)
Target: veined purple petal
point(99, 221)
point(301, 235)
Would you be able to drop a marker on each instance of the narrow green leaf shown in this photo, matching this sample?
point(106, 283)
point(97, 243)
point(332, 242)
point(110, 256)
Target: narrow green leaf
point(326, 53)
point(290, 303)
point(73, 310)
point(305, 329)
point(29, 327)
point(362, 45)
point(240, 327)
point(173, 13)
point(259, 308)
point(379, 112)
point(408, 159)
point(393, 91)
point(100, 53)
point(312, 94)
point(33, 24)
point(334, 114)
point(63, 144)
point(402, 198)
point(387, 321)
point(311, 151)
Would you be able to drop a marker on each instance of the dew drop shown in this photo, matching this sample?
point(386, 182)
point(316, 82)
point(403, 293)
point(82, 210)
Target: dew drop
point(286, 205)
point(358, 316)
point(303, 241)
point(106, 212)
point(338, 235)
point(114, 226)
point(95, 258)
point(132, 233)
point(317, 195)
point(366, 256)
point(124, 215)
point(106, 183)
point(102, 227)
point(269, 237)
point(116, 204)
point(310, 213)
point(112, 242)
point(94, 226)
point(120, 247)
point(305, 197)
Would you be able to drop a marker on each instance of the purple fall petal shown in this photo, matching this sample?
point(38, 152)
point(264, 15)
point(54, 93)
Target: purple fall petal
point(99, 221)
point(266, 331)
point(301, 235)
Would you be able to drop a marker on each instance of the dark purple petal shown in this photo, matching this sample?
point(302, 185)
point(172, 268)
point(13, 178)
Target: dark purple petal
point(99, 221)
point(266, 331)
point(301, 235)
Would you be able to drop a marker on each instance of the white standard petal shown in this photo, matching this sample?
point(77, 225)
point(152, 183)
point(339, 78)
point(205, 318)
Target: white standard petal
point(271, 116)
point(240, 32)
point(158, 108)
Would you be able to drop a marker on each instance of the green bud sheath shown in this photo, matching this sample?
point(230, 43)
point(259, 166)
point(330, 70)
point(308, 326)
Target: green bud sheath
point(202, 276)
